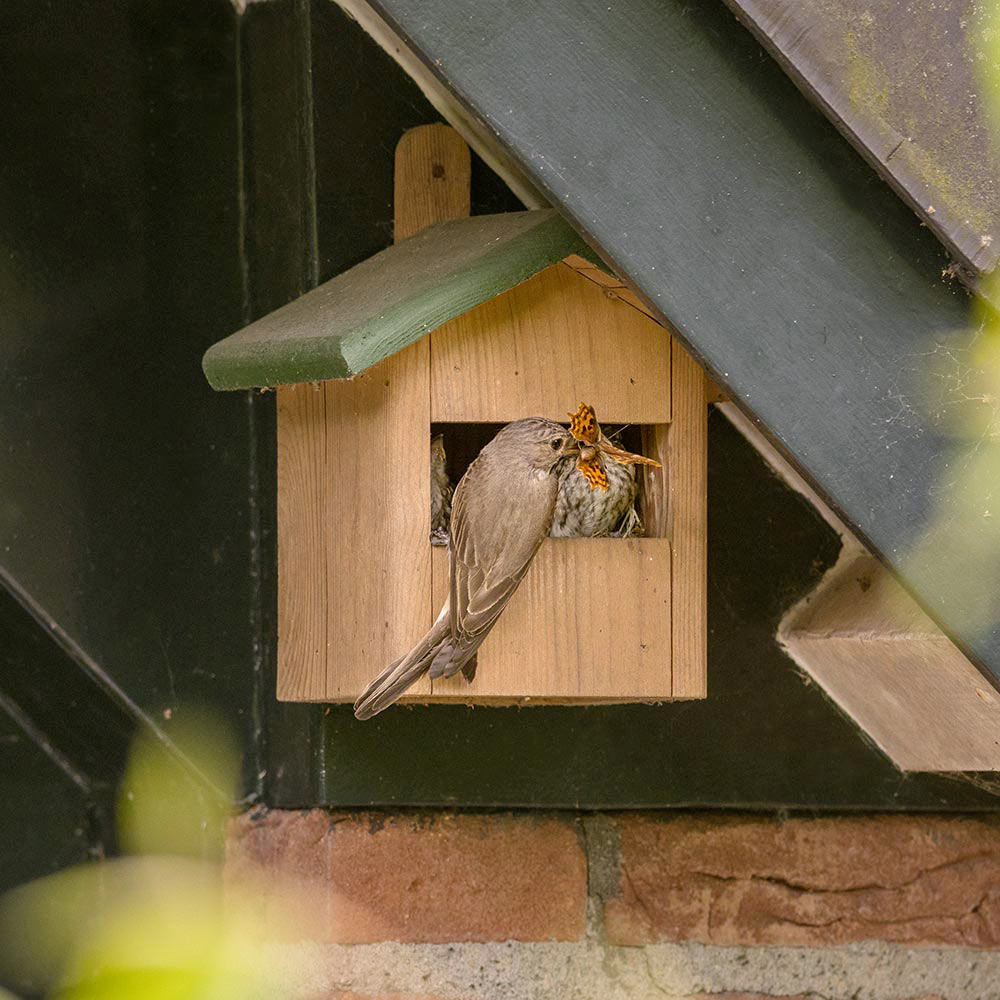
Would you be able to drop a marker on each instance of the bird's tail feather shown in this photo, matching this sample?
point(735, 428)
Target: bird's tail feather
point(389, 685)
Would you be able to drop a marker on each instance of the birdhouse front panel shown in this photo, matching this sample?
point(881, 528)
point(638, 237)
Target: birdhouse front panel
point(584, 600)
point(595, 618)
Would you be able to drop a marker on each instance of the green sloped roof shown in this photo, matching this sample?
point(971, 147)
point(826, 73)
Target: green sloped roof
point(390, 300)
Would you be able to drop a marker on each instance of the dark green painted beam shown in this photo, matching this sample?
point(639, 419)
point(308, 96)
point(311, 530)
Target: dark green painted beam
point(390, 300)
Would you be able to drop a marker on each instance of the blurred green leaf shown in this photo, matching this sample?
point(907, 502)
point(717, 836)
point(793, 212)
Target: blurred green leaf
point(167, 807)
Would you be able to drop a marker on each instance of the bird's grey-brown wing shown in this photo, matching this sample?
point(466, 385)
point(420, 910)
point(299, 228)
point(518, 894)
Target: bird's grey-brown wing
point(498, 521)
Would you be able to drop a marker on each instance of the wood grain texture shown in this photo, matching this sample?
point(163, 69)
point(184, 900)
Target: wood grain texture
point(613, 287)
point(589, 622)
point(713, 392)
point(302, 540)
point(789, 268)
point(921, 701)
point(656, 489)
point(377, 514)
point(432, 172)
point(687, 449)
point(353, 559)
point(542, 348)
point(868, 645)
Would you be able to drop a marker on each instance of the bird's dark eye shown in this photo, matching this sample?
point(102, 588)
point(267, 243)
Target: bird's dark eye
point(556, 443)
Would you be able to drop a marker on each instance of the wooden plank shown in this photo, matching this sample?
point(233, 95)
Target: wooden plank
point(540, 348)
point(713, 393)
point(613, 287)
point(863, 639)
point(922, 702)
point(302, 540)
point(432, 176)
point(377, 514)
point(544, 346)
point(379, 566)
point(590, 622)
point(802, 282)
point(378, 307)
point(687, 446)
point(590, 270)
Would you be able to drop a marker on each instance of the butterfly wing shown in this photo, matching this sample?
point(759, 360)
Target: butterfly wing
point(583, 425)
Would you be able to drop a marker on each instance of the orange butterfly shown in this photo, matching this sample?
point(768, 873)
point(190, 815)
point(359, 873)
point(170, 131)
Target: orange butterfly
point(584, 427)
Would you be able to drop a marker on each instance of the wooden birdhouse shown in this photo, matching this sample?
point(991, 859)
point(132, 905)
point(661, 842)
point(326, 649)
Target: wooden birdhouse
point(464, 325)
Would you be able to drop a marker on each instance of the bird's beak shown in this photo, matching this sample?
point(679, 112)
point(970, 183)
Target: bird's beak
point(587, 452)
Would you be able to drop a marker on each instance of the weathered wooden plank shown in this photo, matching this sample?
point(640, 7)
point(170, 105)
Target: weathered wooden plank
point(377, 308)
point(887, 666)
point(779, 257)
point(589, 622)
point(544, 346)
point(922, 702)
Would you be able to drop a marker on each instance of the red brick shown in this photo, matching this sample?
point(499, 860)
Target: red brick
point(440, 878)
point(278, 867)
point(457, 878)
point(752, 881)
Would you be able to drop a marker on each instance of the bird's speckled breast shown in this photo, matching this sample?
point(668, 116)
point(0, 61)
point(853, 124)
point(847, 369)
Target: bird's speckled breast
point(583, 512)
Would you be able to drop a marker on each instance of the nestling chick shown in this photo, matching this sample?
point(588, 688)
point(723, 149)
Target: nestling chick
point(597, 494)
point(582, 511)
point(441, 492)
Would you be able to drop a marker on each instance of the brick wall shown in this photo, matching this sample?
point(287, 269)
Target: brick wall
point(459, 906)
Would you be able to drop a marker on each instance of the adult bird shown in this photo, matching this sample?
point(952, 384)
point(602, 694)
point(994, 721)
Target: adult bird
point(501, 513)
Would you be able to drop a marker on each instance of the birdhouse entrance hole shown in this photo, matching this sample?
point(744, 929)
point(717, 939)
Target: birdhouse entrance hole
point(463, 442)
point(595, 619)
